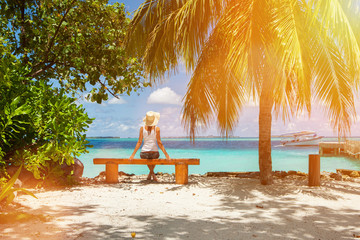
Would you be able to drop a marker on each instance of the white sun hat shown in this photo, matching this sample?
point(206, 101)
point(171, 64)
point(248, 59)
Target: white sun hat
point(152, 118)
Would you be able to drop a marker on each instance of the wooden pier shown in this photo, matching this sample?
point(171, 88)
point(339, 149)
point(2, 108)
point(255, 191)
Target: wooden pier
point(350, 148)
point(331, 148)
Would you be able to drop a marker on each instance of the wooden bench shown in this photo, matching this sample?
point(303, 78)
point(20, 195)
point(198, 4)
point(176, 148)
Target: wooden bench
point(181, 166)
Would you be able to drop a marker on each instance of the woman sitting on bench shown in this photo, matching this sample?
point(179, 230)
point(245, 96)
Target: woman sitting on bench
point(151, 135)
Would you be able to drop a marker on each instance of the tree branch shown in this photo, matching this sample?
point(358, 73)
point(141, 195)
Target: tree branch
point(14, 35)
point(51, 43)
point(22, 27)
point(102, 84)
point(34, 74)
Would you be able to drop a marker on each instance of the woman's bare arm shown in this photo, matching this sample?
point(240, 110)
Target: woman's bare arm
point(161, 146)
point(138, 144)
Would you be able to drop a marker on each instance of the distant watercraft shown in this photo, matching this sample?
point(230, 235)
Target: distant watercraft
point(303, 138)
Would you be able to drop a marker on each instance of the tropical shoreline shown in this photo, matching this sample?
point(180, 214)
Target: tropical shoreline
point(227, 207)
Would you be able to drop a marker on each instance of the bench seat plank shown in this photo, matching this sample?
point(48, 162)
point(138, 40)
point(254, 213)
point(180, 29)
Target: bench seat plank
point(137, 161)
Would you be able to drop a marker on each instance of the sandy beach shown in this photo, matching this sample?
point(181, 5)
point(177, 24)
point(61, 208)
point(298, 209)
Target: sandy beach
point(206, 208)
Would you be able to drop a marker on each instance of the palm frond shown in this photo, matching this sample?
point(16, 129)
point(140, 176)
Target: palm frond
point(231, 96)
point(213, 90)
point(333, 85)
point(351, 9)
point(291, 58)
point(334, 16)
point(246, 27)
point(178, 31)
point(146, 17)
point(161, 53)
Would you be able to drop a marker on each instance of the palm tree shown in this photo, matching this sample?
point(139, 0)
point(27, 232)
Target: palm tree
point(282, 53)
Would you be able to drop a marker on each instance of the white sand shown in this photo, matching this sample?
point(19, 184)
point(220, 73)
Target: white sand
point(207, 208)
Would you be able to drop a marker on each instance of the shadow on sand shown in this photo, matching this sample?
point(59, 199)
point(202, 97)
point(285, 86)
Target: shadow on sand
point(246, 216)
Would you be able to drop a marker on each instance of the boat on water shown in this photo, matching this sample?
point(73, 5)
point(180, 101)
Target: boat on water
point(303, 138)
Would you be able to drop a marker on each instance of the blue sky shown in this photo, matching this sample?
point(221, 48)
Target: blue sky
point(123, 118)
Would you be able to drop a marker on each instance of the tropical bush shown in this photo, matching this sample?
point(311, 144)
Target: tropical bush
point(75, 45)
point(7, 192)
point(39, 124)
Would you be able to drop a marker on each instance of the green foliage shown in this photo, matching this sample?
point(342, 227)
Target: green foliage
point(7, 192)
point(39, 125)
point(13, 112)
point(56, 131)
point(77, 42)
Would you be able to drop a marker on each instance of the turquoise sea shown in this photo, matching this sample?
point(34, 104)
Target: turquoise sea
point(216, 154)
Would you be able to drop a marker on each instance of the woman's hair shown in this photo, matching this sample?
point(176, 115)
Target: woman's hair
point(149, 128)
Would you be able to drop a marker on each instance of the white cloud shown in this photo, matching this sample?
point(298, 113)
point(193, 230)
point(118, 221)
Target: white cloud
point(123, 127)
point(115, 100)
point(164, 96)
point(113, 127)
point(244, 129)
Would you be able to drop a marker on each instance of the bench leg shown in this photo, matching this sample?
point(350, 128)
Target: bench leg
point(181, 173)
point(112, 172)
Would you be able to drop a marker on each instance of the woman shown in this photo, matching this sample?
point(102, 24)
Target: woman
point(151, 134)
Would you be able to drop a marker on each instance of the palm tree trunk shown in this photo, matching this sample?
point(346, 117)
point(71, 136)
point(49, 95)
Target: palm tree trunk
point(265, 163)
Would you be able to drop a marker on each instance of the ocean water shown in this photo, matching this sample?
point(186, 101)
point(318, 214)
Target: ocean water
point(216, 155)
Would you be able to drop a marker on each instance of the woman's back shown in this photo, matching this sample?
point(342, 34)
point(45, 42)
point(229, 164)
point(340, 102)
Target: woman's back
point(150, 142)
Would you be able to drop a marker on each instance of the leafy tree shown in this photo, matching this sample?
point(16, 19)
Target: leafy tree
point(281, 53)
point(78, 46)
point(73, 41)
point(39, 125)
